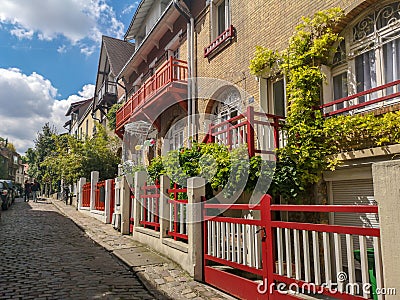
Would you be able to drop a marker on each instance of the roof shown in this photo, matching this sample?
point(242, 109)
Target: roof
point(76, 105)
point(118, 52)
point(138, 18)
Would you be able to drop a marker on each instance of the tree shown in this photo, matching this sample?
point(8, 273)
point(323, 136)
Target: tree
point(45, 145)
point(73, 158)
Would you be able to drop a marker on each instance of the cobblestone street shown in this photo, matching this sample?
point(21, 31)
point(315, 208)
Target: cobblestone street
point(44, 255)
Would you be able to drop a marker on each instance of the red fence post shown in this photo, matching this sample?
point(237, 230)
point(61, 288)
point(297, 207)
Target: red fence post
point(250, 131)
point(268, 257)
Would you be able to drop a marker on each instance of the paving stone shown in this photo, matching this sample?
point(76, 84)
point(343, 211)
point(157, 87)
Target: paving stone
point(191, 295)
point(159, 281)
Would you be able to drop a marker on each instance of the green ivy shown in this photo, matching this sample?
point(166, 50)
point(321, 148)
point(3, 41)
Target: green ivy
point(348, 133)
point(303, 159)
point(112, 115)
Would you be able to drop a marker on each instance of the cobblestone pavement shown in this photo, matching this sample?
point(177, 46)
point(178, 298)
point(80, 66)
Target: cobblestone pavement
point(44, 255)
point(164, 279)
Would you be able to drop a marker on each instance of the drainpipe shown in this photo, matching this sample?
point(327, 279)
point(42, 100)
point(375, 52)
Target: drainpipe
point(190, 53)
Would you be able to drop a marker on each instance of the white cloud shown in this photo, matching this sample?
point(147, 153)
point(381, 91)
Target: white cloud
point(28, 102)
point(88, 50)
point(22, 33)
point(75, 20)
point(130, 8)
point(62, 49)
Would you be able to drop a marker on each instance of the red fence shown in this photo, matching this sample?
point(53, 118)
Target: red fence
point(112, 197)
point(267, 259)
point(173, 70)
point(86, 195)
point(364, 101)
point(99, 198)
point(261, 132)
point(150, 206)
point(178, 213)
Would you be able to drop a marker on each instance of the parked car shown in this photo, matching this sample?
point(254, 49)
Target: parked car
point(6, 194)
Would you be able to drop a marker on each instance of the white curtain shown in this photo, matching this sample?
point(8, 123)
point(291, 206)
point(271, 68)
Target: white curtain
point(366, 73)
point(391, 62)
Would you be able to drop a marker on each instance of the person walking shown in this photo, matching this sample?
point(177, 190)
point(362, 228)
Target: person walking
point(27, 190)
point(35, 190)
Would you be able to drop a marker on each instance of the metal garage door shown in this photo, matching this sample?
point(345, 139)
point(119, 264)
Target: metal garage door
point(354, 192)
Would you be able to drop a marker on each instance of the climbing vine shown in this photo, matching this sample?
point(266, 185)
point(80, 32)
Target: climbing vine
point(303, 158)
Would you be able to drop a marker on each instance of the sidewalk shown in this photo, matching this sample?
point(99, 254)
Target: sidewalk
point(162, 277)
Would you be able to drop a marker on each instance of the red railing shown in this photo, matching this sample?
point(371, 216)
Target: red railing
point(178, 213)
point(112, 197)
point(227, 35)
point(261, 132)
point(173, 70)
point(150, 206)
point(305, 256)
point(99, 199)
point(364, 101)
point(86, 195)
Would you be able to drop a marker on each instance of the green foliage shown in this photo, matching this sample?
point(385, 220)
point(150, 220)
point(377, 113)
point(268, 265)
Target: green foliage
point(73, 158)
point(112, 115)
point(45, 145)
point(347, 133)
point(264, 60)
point(303, 159)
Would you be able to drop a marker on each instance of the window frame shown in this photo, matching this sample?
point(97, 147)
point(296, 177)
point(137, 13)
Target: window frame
point(215, 21)
point(372, 40)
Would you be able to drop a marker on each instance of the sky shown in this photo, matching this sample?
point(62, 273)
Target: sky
point(49, 52)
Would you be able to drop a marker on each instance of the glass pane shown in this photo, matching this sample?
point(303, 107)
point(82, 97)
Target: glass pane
point(279, 98)
point(365, 73)
point(391, 62)
point(340, 88)
point(221, 18)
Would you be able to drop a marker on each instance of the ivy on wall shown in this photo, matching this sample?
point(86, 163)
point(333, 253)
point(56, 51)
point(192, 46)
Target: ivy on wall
point(303, 159)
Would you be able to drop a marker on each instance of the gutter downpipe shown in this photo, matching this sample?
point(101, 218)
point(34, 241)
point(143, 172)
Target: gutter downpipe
point(190, 53)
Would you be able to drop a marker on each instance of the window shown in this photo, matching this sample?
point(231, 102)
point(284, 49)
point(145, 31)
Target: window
point(227, 106)
point(220, 17)
point(273, 95)
point(369, 53)
point(176, 137)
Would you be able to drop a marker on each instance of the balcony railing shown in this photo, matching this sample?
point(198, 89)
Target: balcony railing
point(364, 101)
point(261, 132)
point(108, 88)
point(171, 71)
point(227, 35)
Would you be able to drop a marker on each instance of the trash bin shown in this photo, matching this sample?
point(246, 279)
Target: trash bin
point(371, 269)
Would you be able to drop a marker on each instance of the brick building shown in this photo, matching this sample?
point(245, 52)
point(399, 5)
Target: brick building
point(214, 41)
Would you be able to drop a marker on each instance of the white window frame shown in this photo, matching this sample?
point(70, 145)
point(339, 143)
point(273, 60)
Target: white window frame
point(375, 42)
point(267, 94)
point(214, 4)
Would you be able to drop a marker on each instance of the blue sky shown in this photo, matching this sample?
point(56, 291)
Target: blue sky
point(49, 51)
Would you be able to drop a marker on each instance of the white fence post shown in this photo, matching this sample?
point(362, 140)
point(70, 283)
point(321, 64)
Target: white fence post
point(386, 177)
point(195, 190)
point(94, 178)
point(81, 183)
point(164, 206)
point(107, 200)
point(140, 179)
point(125, 204)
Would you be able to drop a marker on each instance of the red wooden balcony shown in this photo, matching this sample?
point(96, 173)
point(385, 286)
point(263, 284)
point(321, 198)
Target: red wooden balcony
point(262, 133)
point(172, 72)
point(372, 99)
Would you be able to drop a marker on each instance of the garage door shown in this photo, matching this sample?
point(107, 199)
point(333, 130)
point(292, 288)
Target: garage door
point(354, 192)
